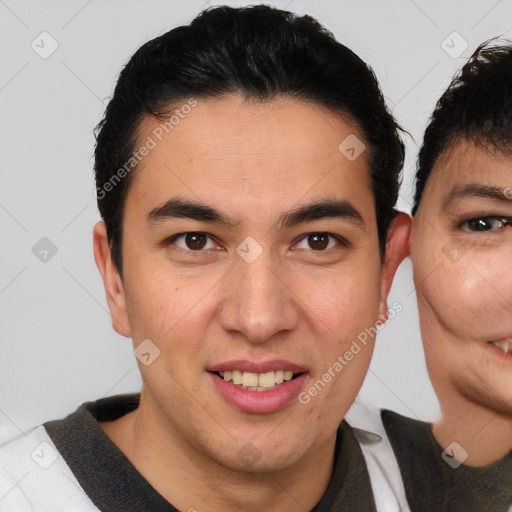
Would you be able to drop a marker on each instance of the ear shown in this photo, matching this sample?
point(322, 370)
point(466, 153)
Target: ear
point(410, 242)
point(112, 281)
point(397, 248)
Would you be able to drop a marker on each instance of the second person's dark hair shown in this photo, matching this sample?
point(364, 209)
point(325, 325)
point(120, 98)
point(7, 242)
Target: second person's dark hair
point(477, 106)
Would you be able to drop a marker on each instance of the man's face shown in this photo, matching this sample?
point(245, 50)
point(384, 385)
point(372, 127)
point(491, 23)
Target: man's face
point(263, 295)
point(462, 257)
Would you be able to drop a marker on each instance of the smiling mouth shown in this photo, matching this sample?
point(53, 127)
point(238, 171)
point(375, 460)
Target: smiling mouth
point(505, 345)
point(257, 381)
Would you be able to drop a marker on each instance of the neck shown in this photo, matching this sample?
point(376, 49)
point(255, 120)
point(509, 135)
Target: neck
point(191, 480)
point(486, 435)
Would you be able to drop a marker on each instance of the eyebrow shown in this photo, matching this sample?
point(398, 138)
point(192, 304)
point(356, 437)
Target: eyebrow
point(476, 190)
point(328, 208)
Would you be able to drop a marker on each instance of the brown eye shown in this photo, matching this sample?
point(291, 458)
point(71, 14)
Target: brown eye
point(318, 241)
point(195, 240)
point(192, 241)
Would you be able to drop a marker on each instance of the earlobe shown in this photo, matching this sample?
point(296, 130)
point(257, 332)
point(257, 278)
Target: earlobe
point(112, 281)
point(397, 248)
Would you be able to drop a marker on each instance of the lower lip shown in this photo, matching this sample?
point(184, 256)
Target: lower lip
point(503, 357)
point(259, 402)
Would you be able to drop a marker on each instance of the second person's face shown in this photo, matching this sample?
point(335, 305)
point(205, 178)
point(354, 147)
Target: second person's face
point(461, 247)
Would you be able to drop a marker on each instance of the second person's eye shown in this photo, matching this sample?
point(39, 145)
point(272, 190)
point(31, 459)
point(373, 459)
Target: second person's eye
point(485, 224)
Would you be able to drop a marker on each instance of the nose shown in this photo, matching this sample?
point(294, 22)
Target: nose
point(259, 301)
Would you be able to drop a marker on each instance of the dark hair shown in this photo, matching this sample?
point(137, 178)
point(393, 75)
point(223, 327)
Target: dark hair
point(260, 52)
point(477, 106)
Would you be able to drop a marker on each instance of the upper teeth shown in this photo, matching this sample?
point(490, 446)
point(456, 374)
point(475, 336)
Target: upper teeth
point(257, 381)
point(505, 345)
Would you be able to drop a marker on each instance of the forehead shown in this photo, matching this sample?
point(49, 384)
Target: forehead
point(252, 155)
point(466, 161)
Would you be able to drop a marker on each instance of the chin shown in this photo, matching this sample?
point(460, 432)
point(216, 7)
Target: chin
point(491, 393)
point(252, 460)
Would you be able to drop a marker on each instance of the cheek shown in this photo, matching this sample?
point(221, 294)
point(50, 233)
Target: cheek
point(341, 316)
point(345, 301)
point(167, 308)
point(470, 298)
point(493, 287)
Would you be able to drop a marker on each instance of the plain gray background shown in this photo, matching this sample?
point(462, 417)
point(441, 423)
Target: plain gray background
point(58, 348)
